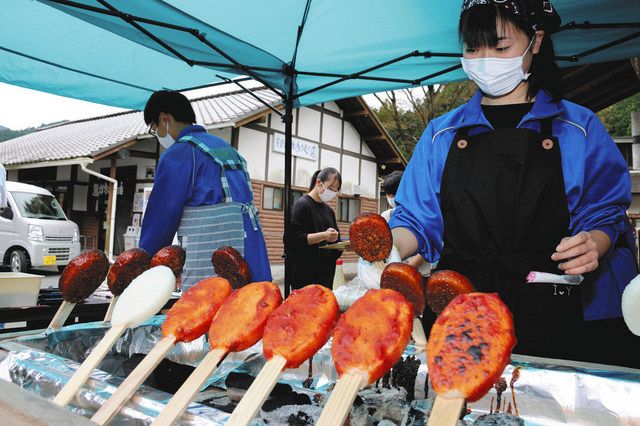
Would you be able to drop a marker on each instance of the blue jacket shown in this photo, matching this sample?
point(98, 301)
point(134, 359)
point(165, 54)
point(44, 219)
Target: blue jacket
point(186, 176)
point(596, 179)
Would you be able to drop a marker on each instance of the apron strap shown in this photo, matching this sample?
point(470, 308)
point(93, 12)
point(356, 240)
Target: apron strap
point(228, 159)
point(546, 128)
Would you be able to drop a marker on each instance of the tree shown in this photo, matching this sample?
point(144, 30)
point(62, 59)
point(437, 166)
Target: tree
point(617, 117)
point(405, 113)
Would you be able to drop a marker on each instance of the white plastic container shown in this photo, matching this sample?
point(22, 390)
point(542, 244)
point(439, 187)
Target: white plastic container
point(18, 289)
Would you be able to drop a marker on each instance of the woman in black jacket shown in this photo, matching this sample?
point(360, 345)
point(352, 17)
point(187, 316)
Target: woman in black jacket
point(313, 224)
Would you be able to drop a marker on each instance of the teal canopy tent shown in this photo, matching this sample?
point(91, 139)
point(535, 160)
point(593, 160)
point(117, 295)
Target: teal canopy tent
point(117, 52)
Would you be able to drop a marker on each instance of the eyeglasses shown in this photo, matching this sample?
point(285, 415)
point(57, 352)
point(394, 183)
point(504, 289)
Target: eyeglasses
point(151, 131)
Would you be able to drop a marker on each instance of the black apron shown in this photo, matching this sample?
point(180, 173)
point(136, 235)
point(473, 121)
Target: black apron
point(504, 208)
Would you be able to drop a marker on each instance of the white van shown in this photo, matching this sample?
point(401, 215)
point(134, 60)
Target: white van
point(34, 230)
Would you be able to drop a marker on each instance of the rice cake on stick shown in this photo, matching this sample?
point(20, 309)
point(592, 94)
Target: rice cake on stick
point(128, 265)
point(469, 346)
point(406, 280)
point(81, 277)
point(368, 340)
point(228, 263)
point(188, 319)
point(142, 299)
point(443, 286)
point(238, 325)
point(295, 331)
point(371, 239)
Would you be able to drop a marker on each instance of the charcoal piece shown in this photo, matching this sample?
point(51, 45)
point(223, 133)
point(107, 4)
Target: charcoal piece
point(241, 382)
point(168, 375)
point(292, 398)
point(291, 415)
point(404, 375)
point(419, 411)
point(499, 419)
point(386, 380)
point(300, 419)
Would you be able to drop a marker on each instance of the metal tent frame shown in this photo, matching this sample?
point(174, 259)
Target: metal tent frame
point(290, 72)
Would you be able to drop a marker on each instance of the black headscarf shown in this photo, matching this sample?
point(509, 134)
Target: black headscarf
point(538, 14)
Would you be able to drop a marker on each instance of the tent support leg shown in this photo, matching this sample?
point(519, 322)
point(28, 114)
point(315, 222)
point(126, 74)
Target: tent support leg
point(288, 131)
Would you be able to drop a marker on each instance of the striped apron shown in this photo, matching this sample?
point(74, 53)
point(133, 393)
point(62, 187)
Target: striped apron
point(204, 229)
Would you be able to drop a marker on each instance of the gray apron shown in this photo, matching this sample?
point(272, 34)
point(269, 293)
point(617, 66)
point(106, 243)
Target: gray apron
point(204, 229)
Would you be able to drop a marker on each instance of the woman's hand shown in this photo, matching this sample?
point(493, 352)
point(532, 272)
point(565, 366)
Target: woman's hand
point(581, 252)
point(331, 235)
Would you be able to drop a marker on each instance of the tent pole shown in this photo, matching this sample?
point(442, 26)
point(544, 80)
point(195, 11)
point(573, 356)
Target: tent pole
point(288, 131)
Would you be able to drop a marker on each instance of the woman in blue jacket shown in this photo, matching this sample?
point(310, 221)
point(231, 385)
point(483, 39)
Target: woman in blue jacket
point(519, 180)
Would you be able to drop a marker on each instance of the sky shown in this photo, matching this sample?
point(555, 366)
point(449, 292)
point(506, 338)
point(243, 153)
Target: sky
point(21, 108)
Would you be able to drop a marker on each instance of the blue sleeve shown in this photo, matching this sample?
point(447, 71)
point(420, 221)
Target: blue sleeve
point(171, 190)
point(418, 197)
point(606, 186)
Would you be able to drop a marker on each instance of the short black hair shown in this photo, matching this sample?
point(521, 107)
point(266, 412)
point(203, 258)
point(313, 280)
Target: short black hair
point(170, 102)
point(392, 182)
point(478, 28)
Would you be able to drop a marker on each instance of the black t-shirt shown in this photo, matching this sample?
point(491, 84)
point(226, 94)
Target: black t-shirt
point(506, 116)
point(308, 263)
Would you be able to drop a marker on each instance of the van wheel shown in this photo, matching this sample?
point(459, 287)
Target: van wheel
point(18, 261)
point(61, 268)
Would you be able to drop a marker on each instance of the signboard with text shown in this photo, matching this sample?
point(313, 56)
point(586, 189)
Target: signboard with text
point(299, 148)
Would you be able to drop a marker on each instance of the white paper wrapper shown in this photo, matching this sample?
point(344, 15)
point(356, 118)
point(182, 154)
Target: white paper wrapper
point(546, 277)
point(368, 278)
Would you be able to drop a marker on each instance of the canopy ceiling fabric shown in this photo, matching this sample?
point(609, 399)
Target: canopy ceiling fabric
point(65, 49)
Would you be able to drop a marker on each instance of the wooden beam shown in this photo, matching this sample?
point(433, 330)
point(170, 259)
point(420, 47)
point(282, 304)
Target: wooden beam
point(115, 149)
point(375, 138)
point(355, 114)
point(390, 161)
point(257, 116)
point(142, 154)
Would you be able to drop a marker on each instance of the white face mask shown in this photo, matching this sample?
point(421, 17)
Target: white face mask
point(167, 140)
point(392, 202)
point(496, 76)
point(328, 195)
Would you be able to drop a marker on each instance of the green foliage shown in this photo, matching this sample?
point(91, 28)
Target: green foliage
point(617, 117)
point(406, 113)
point(7, 134)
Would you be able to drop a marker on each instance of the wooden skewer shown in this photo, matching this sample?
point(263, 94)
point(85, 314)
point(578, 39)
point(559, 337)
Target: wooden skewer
point(61, 315)
point(69, 391)
point(133, 381)
point(445, 412)
point(112, 304)
point(380, 265)
point(189, 388)
point(418, 334)
point(257, 392)
point(341, 399)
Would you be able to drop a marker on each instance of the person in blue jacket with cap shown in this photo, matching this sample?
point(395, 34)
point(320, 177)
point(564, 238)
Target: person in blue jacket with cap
point(202, 191)
point(518, 180)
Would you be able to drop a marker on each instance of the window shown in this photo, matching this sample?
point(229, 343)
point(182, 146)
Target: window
point(273, 198)
point(38, 206)
point(625, 149)
point(348, 209)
